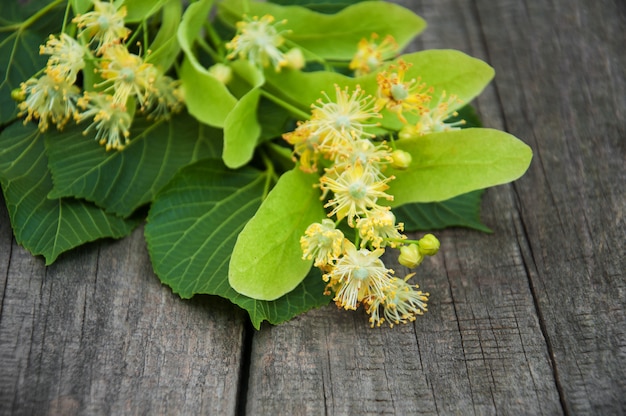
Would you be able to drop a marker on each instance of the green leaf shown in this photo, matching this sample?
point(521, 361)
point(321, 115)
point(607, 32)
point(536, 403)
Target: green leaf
point(46, 226)
point(191, 231)
point(165, 48)
point(138, 10)
point(267, 259)
point(333, 36)
point(120, 182)
point(460, 211)
point(456, 162)
point(444, 70)
point(19, 46)
point(322, 6)
point(206, 97)
point(242, 131)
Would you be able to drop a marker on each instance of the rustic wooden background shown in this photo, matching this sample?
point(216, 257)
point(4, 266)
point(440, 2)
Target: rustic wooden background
point(527, 320)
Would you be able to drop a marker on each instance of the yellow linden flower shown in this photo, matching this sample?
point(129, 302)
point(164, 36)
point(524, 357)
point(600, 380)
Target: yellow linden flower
point(358, 274)
point(48, 99)
point(258, 41)
point(104, 24)
point(370, 55)
point(66, 57)
point(355, 190)
point(338, 122)
point(398, 95)
point(110, 120)
point(379, 228)
point(127, 75)
point(433, 120)
point(365, 152)
point(164, 95)
point(400, 303)
point(322, 242)
point(305, 142)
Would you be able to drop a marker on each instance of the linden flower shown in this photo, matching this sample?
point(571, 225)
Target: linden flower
point(365, 152)
point(305, 144)
point(398, 95)
point(322, 242)
point(356, 190)
point(343, 120)
point(104, 24)
point(370, 54)
point(48, 99)
point(258, 41)
point(127, 75)
point(66, 57)
point(400, 304)
point(434, 120)
point(110, 120)
point(358, 274)
point(379, 228)
point(165, 96)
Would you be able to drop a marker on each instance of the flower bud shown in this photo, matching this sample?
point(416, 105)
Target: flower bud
point(409, 131)
point(295, 59)
point(410, 256)
point(18, 95)
point(400, 159)
point(429, 245)
point(223, 73)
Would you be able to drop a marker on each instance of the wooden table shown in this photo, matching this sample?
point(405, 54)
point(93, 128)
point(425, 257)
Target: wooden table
point(527, 320)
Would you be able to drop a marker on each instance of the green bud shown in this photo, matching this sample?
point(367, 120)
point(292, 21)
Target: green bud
point(223, 73)
point(409, 131)
point(18, 95)
point(410, 256)
point(295, 58)
point(401, 159)
point(429, 245)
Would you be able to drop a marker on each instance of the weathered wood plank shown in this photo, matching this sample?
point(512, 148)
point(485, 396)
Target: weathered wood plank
point(479, 350)
point(562, 85)
point(96, 333)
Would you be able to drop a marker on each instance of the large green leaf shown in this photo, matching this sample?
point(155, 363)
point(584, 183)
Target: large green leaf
point(444, 70)
point(460, 211)
point(268, 248)
point(206, 97)
point(46, 226)
point(122, 181)
point(191, 231)
point(456, 162)
point(333, 36)
point(20, 38)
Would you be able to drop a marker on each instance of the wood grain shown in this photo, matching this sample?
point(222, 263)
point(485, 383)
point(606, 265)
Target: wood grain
point(96, 333)
point(527, 320)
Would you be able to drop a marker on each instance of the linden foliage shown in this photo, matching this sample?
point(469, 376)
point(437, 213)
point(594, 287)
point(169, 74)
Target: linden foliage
point(283, 151)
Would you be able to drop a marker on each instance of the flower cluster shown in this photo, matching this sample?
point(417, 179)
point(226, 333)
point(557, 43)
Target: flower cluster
point(125, 80)
point(337, 142)
point(354, 183)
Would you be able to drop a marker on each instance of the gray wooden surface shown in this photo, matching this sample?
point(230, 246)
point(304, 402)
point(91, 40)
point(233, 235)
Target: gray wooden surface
point(527, 320)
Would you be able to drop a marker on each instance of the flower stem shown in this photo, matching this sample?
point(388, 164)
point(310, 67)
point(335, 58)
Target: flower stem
point(291, 108)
